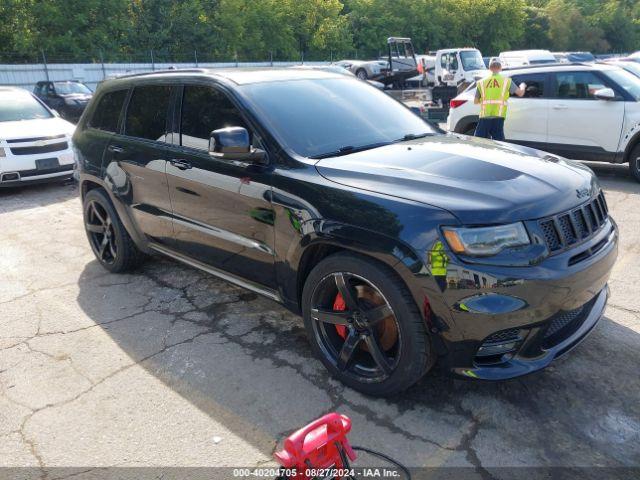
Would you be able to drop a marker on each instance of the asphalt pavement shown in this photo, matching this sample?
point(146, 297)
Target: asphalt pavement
point(170, 367)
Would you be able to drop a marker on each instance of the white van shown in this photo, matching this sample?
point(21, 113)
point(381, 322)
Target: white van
point(459, 66)
point(519, 58)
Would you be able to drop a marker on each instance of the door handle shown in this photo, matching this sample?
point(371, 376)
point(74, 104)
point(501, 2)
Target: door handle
point(560, 107)
point(181, 164)
point(115, 149)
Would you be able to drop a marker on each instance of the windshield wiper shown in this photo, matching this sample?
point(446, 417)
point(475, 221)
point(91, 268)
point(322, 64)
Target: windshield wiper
point(412, 136)
point(347, 149)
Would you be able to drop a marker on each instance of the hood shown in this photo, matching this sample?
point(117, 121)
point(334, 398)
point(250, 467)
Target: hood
point(479, 181)
point(45, 127)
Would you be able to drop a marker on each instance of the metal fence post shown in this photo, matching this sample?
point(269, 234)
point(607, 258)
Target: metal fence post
point(104, 72)
point(44, 62)
point(330, 56)
point(271, 58)
point(302, 57)
point(153, 63)
point(195, 55)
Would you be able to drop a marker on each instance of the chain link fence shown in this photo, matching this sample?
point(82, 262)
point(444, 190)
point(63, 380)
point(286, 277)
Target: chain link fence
point(25, 70)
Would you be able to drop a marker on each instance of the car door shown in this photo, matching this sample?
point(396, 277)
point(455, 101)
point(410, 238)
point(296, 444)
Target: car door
point(527, 116)
point(221, 208)
point(580, 125)
point(135, 161)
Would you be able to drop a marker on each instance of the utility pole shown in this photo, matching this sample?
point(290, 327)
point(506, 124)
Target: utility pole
point(104, 73)
point(44, 61)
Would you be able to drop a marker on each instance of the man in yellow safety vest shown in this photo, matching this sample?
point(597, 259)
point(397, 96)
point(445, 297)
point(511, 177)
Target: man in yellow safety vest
point(492, 94)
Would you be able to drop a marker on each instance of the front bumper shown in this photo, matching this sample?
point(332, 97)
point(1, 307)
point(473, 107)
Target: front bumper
point(21, 169)
point(485, 305)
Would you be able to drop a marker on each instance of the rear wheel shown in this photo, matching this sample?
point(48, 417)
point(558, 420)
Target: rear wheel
point(634, 162)
point(365, 326)
point(471, 130)
point(361, 73)
point(109, 240)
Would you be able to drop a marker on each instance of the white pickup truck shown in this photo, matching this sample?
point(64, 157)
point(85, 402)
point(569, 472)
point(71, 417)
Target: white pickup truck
point(458, 67)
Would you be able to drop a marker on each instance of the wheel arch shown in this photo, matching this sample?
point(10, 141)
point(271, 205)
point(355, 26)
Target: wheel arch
point(633, 142)
point(465, 122)
point(90, 182)
point(332, 238)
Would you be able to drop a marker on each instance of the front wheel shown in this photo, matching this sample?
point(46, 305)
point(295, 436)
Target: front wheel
point(365, 326)
point(634, 162)
point(362, 74)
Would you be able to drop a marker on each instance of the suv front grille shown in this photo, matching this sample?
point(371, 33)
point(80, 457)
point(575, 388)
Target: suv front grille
point(35, 149)
point(568, 228)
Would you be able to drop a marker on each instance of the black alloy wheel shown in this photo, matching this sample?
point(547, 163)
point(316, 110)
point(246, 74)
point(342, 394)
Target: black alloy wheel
point(101, 233)
point(363, 339)
point(634, 162)
point(109, 240)
point(364, 325)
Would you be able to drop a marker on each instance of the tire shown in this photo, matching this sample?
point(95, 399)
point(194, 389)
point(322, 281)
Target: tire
point(361, 73)
point(634, 162)
point(470, 130)
point(109, 240)
point(345, 341)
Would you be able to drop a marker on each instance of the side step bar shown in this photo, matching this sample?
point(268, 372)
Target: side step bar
point(229, 277)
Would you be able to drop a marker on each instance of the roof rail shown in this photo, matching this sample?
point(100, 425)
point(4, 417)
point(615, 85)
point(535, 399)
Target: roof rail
point(155, 72)
point(545, 65)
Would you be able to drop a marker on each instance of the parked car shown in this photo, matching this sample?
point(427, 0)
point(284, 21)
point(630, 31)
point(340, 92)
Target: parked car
point(518, 58)
point(366, 69)
point(457, 67)
point(629, 66)
point(399, 65)
point(574, 57)
point(586, 112)
point(35, 144)
point(69, 98)
point(323, 193)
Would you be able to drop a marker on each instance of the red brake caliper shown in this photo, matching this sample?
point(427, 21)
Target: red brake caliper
point(339, 305)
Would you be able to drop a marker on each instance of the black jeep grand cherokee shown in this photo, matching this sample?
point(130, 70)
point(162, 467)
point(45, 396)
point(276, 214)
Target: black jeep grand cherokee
point(400, 245)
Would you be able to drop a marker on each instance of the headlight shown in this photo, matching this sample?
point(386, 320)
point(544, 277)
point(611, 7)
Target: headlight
point(486, 241)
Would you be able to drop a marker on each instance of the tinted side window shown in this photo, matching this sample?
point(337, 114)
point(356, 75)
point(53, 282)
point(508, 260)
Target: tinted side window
point(535, 84)
point(205, 109)
point(147, 112)
point(577, 85)
point(105, 116)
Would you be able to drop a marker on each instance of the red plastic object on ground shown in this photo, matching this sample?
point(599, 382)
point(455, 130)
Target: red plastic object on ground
point(317, 446)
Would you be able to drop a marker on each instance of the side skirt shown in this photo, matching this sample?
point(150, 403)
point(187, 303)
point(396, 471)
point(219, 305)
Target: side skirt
point(241, 282)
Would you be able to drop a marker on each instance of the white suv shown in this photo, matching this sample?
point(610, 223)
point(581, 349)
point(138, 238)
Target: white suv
point(35, 144)
point(585, 112)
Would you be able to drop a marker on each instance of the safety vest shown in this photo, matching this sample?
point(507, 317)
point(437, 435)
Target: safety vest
point(494, 93)
point(439, 260)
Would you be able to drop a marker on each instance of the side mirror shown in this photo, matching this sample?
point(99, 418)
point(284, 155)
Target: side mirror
point(605, 94)
point(233, 143)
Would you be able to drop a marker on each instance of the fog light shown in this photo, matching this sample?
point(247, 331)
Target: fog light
point(496, 349)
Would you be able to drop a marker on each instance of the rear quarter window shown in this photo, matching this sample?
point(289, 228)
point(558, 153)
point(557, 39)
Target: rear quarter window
point(107, 112)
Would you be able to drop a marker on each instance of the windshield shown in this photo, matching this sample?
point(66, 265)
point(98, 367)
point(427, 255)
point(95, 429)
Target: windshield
point(627, 81)
point(20, 106)
point(316, 118)
point(632, 67)
point(581, 57)
point(541, 62)
point(68, 88)
point(471, 60)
